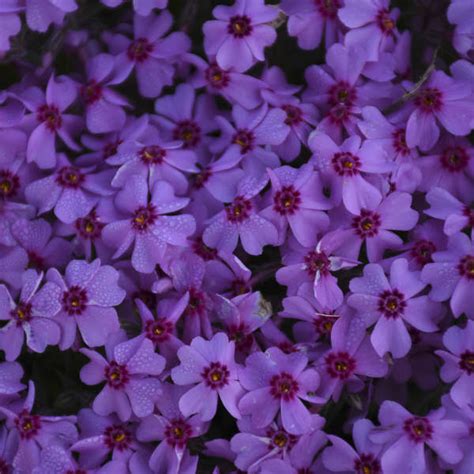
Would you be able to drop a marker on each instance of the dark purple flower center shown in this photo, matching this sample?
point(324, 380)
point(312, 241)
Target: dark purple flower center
point(9, 184)
point(418, 429)
point(469, 213)
point(70, 177)
point(324, 324)
point(51, 116)
point(89, 227)
point(216, 76)
point(116, 375)
point(240, 334)
point(287, 200)
point(385, 22)
point(283, 386)
point(466, 362)
point(280, 439)
point(152, 155)
point(201, 178)
point(367, 464)
point(75, 300)
point(391, 303)
point(144, 217)
point(216, 375)
point(177, 433)
point(239, 210)
point(28, 425)
point(197, 303)
point(117, 437)
point(342, 93)
point(189, 132)
point(367, 224)
point(454, 159)
point(340, 365)
point(91, 92)
point(203, 251)
point(240, 26)
point(316, 262)
point(422, 251)
point(159, 331)
point(328, 8)
point(245, 139)
point(22, 313)
point(429, 100)
point(294, 115)
point(399, 142)
point(110, 149)
point(4, 467)
point(346, 164)
point(35, 261)
point(139, 50)
point(239, 287)
point(340, 113)
point(466, 267)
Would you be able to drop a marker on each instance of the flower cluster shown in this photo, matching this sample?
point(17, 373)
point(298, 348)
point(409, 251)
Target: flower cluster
point(236, 237)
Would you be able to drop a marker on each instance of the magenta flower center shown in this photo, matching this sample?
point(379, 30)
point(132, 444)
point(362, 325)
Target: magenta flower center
point(91, 92)
point(177, 433)
point(399, 142)
point(340, 365)
point(196, 305)
point(216, 375)
point(342, 93)
point(117, 437)
point(367, 464)
point(22, 313)
point(454, 159)
point(294, 115)
point(328, 8)
point(110, 149)
point(189, 132)
point(216, 76)
point(283, 386)
point(152, 155)
point(391, 303)
point(367, 224)
point(9, 184)
point(385, 22)
point(239, 210)
point(429, 100)
point(240, 334)
point(245, 139)
point(280, 439)
point(51, 116)
point(35, 260)
point(316, 262)
point(239, 287)
point(469, 213)
point(287, 200)
point(340, 113)
point(346, 164)
point(144, 217)
point(202, 177)
point(75, 300)
point(70, 177)
point(422, 251)
point(324, 324)
point(89, 227)
point(203, 251)
point(466, 267)
point(418, 429)
point(140, 50)
point(159, 331)
point(28, 425)
point(240, 26)
point(466, 362)
point(116, 375)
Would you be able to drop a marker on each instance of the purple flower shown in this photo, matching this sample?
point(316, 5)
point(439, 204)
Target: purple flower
point(11, 374)
point(29, 318)
point(241, 219)
point(86, 294)
point(57, 460)
point(298, 203)
point(459, 363)
point(13, 263)
point(8, 448)
point(210, 367)
point(389, 304)
point(72, 192)
point(308, 20)
point(130, 378)
point(442, 99)
point(10, 23)
point(459, 12)
point(451, 275)
point(142, 7)
point(41, 13)
point(240, 34)
point(276, 383)
point(173, 431)
point(152, 55)
point(404, 437)
point(145, 224)
point(47, 119)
